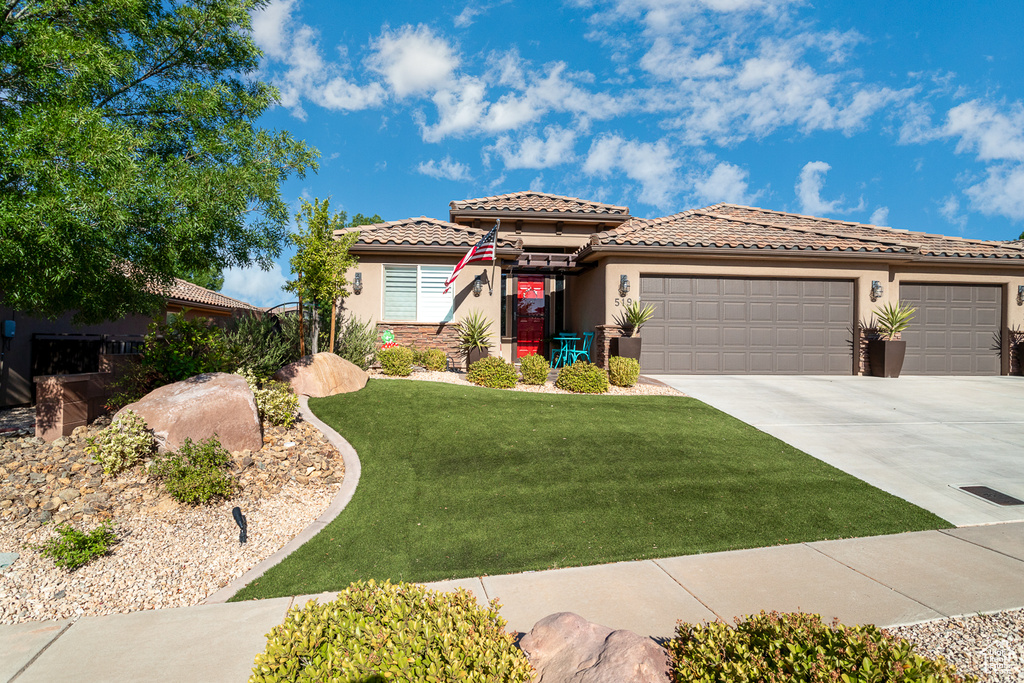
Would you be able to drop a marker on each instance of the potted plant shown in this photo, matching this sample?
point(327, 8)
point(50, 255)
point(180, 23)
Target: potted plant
point(886, 353)
point(631, 320)
point(474, 336)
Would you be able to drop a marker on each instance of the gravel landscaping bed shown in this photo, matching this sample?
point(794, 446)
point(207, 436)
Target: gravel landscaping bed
point(168, 554)
point(644, 387)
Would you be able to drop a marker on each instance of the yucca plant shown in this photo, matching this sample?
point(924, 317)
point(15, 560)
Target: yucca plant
point(474, 332)
point(893, 319)
point(633, 317)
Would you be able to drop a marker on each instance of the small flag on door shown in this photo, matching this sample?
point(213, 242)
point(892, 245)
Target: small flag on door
point(481, 251)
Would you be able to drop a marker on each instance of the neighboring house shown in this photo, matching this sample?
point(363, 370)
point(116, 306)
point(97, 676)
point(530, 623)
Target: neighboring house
point(45, 347)
point(736, 289)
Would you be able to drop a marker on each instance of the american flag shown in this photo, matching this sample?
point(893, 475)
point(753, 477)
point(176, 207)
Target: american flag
point(481, 251)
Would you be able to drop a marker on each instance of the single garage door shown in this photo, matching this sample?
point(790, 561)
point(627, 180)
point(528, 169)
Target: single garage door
point(740, 325)
point(956, 330)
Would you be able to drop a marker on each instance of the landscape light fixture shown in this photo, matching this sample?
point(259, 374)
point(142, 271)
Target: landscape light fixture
point(357, 284)
point(876, 290)
point(242, 525)
point(478, 285)
point(623, 285)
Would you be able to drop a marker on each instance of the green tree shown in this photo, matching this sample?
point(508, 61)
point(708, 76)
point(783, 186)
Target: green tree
point(320, 260)
point(129, 153)
point(209, 278)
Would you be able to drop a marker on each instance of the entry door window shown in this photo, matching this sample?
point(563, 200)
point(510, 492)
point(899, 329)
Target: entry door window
point(529, 316)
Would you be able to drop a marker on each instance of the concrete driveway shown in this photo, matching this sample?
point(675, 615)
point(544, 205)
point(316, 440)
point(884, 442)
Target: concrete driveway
point(916, 437)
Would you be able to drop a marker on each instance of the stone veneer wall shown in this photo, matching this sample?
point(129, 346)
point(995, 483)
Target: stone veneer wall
point(602, 349)
point(442, 336)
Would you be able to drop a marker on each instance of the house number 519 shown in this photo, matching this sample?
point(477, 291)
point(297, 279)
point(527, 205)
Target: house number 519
point(624, 302)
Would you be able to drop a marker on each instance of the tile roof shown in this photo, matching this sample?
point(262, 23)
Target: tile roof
point(186, 291)
point(730, 226)
point(538, 202)
point(422, 231)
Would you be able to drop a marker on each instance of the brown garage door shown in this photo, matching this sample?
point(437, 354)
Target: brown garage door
point(739, 325)
point(956, 330)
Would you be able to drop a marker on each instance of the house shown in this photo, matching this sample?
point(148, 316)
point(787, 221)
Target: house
point(736, 289)
point(49, 347)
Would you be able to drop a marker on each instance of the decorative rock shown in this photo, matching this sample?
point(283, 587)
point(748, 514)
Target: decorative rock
point(322, 374)
point(566, 648)
point(68, 495)
point(200, 407)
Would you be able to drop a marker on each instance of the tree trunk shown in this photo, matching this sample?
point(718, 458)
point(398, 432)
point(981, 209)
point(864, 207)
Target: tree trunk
point(302, 336)
point(314, 342)
point(334, 316)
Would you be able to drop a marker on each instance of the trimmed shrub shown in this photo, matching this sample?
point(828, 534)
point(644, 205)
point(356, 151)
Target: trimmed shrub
point(395, 361)
point(196, 472)
point(401, 632)
point(431, 359)
point(582, 378)
point(775, 647)
point(121, 445)
point(623, 372)
point(494, 372)
point(72, 548)
point(534, 369)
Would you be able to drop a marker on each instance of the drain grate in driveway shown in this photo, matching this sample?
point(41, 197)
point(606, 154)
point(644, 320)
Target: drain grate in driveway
point(991, 495)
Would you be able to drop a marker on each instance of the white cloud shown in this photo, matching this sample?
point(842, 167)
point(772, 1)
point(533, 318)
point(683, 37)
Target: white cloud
point(413, 60)
point(533, 152)
point(726, 183)
point(808, 191)
point(879, 216)
point(1001, 193)
point(445, 169)
point(950, 210)
point(270, 27)
point(256, 286)
point(982, 128)
point(653, 165)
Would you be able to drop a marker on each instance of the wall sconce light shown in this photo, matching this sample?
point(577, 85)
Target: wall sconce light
point(478, 285)
point(1020, 295)
point(357, 284)
point(876, 290)
point(623, 285)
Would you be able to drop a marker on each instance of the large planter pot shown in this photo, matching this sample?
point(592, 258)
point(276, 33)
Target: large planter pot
point(627, 347)
point(473, 355)
point(886, 357)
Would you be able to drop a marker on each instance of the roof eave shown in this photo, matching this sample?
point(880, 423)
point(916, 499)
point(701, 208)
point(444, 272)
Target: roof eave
point(388, 248)
point(565, 216)
point(611, 249)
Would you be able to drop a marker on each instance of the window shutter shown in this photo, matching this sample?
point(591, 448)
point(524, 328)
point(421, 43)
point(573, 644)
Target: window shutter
point(400, 292)
point(434, 305)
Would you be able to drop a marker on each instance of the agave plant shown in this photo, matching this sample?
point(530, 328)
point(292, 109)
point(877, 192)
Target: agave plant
point(633, 317)
point(474, 332)
point(893, 319)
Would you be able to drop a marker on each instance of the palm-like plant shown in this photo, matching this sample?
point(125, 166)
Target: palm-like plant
point(474, 332)
point(633, 317)
point(893, 319)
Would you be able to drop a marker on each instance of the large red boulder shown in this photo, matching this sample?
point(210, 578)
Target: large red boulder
point(216, 404)
point(323, 374)
point(566, 648)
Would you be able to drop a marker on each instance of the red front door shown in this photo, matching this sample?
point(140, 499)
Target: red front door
point(529, 316)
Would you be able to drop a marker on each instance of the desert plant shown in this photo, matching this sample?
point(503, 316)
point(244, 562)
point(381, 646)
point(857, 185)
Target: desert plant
point(395, 361)
point(357, 341)
point(275, 401)
point(893, 319)
point(257, 345)
point(633, 317)
point(195, 473)
point(494, 372)
point(623, 372)
point(534, 369)
point(72, 548)
point(582, 378)
point(431, 359)
point(775, 647)
point(474, 332)
point(122, 444)
point(400, 632)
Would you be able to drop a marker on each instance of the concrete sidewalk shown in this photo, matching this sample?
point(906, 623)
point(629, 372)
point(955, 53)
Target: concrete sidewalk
point(886, 580)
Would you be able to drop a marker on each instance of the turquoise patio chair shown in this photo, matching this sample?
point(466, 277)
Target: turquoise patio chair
point(584, 350)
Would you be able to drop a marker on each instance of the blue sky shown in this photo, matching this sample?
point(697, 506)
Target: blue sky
point(905, 114)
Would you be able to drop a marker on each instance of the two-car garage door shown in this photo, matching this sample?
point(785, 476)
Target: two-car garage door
point(738, 325)
point(705, 325)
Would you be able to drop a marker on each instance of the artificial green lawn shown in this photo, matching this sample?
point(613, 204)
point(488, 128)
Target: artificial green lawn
point(463, 481)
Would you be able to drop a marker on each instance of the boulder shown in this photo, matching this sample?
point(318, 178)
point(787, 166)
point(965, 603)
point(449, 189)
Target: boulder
point(565, 647)
point(323, 374)
point(216, 404)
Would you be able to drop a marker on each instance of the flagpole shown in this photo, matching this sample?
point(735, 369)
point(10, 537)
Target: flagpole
point(494, 257)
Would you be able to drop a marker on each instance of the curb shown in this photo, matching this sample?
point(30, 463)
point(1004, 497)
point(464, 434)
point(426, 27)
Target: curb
point(353, 468)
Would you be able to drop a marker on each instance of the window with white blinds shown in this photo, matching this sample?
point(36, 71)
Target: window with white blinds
point(416, 293)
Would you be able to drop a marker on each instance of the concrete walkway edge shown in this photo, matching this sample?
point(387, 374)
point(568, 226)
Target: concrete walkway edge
point(353, 469)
